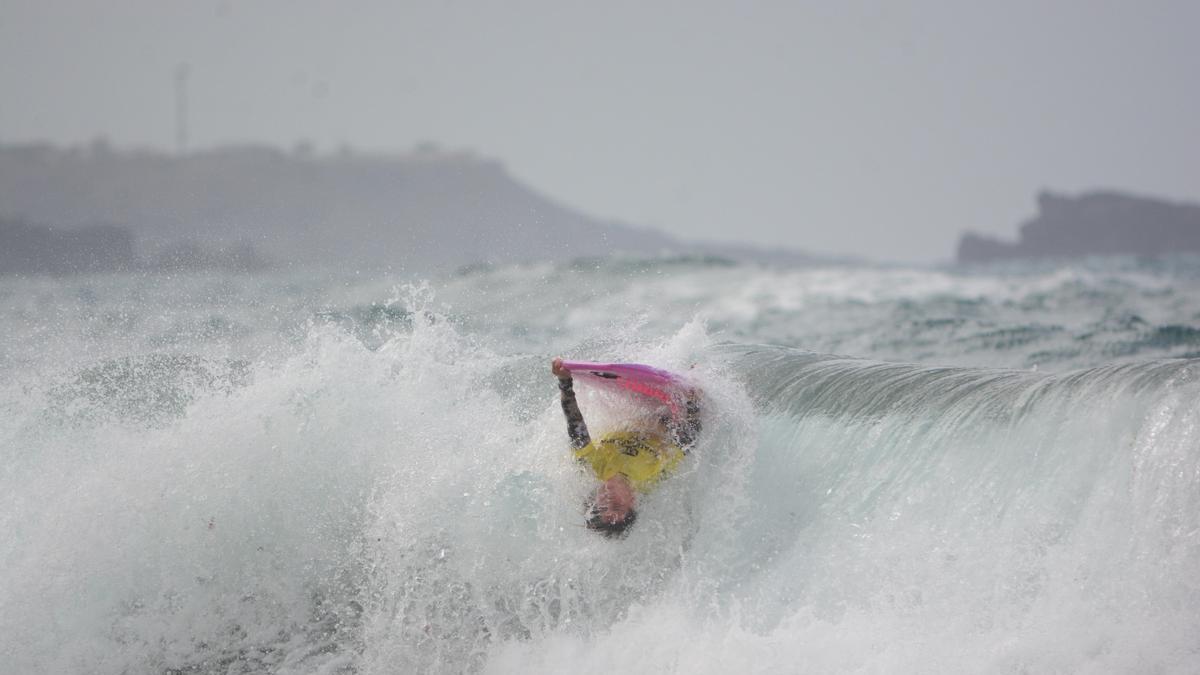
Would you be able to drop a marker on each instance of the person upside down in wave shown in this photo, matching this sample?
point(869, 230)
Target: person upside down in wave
point(625, 462)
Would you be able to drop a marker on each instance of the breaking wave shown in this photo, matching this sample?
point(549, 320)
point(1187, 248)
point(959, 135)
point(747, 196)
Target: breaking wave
point(385, 487)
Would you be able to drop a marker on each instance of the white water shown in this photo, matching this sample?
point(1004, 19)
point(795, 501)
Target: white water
point(281, 474)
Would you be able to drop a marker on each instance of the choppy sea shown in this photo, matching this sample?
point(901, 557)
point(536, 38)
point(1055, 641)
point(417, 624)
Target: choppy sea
point(903, 470)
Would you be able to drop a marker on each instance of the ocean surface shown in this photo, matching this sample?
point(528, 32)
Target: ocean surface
point(903, 470)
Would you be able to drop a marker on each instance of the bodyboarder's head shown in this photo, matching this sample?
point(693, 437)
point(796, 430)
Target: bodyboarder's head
point(610, 511)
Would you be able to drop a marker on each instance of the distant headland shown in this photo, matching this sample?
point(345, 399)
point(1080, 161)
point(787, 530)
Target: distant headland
point(424, 210)
point(1095, 223)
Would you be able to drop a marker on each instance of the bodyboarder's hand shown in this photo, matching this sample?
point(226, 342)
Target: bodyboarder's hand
point(556, 367)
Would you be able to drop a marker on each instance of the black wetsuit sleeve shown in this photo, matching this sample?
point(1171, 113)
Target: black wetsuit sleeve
point(686, 433)
point(576, 427)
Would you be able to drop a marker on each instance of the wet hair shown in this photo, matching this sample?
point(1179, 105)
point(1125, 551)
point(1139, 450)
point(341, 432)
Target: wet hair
point(597, 522)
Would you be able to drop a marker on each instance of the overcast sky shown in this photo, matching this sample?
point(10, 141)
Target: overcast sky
point(880, 129)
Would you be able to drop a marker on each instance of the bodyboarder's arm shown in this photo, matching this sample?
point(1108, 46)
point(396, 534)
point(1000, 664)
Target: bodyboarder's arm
point(576, 427)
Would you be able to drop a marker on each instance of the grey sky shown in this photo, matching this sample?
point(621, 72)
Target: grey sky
point(881, 129)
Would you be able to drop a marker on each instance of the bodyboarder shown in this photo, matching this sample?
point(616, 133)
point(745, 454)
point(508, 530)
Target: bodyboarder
point(626, 463)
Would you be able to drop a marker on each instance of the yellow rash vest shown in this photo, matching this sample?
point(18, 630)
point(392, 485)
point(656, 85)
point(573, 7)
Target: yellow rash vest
point(643, 458)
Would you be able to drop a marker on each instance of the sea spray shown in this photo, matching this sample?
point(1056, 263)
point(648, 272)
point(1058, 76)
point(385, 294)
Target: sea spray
point(488, 546)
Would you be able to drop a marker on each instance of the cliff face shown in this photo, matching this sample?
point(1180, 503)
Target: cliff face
point(1098, 223)
point(413, 211)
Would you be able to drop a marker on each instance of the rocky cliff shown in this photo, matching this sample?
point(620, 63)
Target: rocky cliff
point(1096, 223)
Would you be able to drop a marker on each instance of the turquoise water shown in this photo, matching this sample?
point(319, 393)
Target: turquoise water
point(903, 470)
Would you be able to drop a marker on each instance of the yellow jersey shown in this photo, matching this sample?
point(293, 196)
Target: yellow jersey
point(643, 458)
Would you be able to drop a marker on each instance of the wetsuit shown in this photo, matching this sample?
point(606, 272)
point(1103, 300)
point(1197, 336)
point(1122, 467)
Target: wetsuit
point(642, 458)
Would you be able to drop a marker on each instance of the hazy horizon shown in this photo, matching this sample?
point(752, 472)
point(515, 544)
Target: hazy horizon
point(872, 130)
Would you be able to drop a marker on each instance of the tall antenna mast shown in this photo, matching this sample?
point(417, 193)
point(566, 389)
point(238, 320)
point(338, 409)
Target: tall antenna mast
point(182, 71)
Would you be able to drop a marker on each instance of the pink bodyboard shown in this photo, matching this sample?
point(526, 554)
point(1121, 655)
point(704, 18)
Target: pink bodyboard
point(648, 381)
